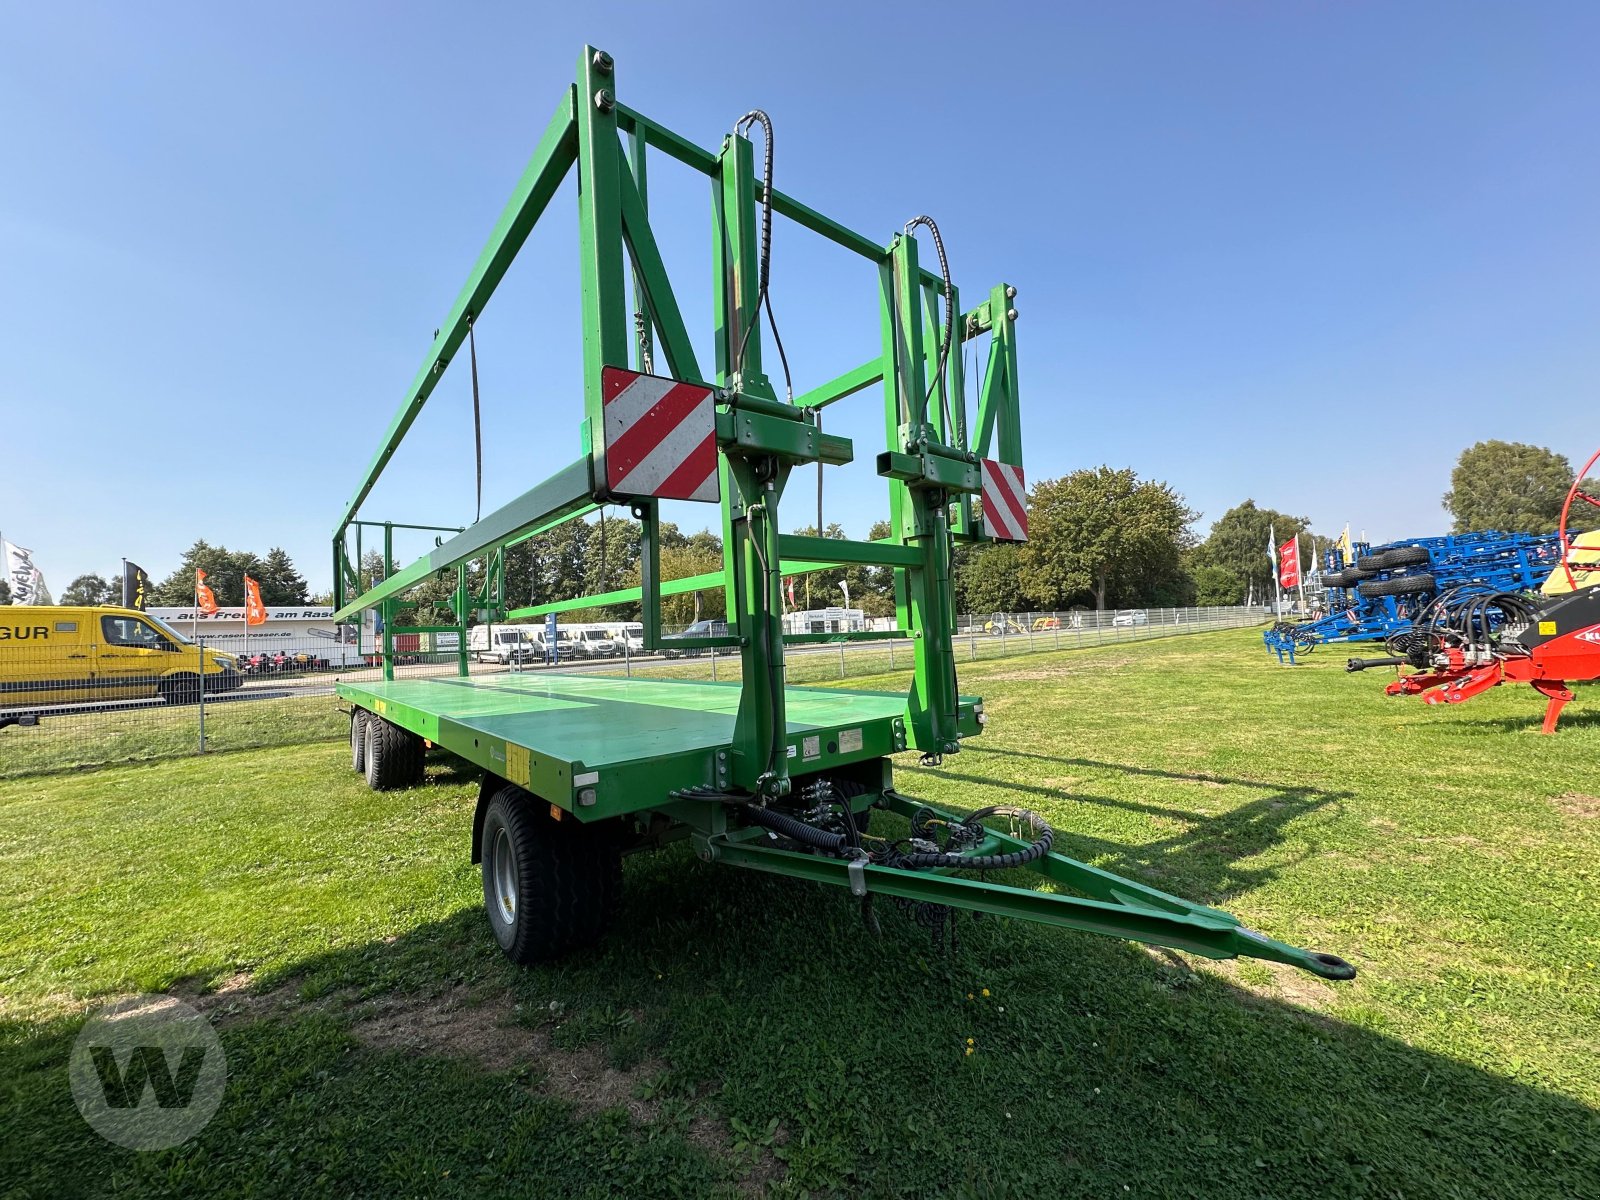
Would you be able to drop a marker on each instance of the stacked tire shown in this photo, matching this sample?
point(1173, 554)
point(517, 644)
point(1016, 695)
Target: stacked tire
point(1398, 585)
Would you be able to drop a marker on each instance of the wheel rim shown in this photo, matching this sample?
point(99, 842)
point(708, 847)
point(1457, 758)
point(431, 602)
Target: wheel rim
point(504, 874)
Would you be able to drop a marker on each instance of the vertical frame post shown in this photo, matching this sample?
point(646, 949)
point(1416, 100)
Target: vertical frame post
point(600, 266)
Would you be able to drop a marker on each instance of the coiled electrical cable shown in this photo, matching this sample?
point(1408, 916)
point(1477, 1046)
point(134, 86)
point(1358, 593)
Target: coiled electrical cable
point(764, 272)
point(949, 320)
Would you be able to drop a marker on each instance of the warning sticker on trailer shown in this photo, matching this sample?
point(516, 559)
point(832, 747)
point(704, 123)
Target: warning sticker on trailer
point(660, 437)
point(849, 741)
point(517, 764)
point(1547, 628)
point(811, 747)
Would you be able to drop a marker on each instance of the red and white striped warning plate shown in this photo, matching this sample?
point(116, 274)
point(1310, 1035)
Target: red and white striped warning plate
point(661, 437)
point(1005, 502)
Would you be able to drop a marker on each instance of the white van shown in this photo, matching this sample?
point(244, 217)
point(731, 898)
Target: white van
point(629, 637)
point(592, 641)
point(506, 643)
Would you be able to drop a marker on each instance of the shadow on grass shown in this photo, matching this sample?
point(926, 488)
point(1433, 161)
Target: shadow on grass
point(1201, 860)
point(1572, 718)
point(1095, 1068)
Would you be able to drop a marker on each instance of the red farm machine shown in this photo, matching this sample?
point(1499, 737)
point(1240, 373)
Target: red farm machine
point(1462, 645)
point(581, 769)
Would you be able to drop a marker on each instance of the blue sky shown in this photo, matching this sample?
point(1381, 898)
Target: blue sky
point(1302, 252)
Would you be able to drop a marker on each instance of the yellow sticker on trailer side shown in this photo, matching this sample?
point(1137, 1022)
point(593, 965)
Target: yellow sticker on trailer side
point(517, 764)
point(1547, 628)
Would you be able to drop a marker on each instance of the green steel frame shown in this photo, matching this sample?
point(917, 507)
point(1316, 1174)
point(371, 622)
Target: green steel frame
point(558, 738)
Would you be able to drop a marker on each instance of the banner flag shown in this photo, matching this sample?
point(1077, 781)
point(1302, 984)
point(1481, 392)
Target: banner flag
point(204, 599)
point(1289, 563)
point(26, 580)
point(255, 612)
point(135, 586)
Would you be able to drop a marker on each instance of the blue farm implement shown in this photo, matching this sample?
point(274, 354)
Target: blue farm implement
point(1466, 641)
point(1380, 594)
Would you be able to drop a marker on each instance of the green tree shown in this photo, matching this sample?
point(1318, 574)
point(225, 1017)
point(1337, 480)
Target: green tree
point(1238, 543)
point(280, 583)
point(225, 570)
point(988, 579)
point(871, 588)
point(1215, 585)
point(87, 591)
point(1104, 532)
point(1509, 486)
point(5, 591)
point(682, 558)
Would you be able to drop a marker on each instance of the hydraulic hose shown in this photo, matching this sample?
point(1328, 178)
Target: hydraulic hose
point(1043, 839)
point(794, 828)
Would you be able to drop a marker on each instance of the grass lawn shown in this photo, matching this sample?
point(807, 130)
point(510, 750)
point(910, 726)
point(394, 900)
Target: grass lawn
point(742, 1035)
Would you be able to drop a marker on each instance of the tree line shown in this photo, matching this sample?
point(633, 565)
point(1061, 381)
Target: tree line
point(1098, 538)
point(281, 583)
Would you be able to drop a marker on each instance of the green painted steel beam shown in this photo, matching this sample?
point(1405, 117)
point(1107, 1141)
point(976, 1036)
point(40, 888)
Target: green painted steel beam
point(547, 526)
point(650, 275)
point(848, 384)
point(602, 292)
point(811, 219)
point(671, 144)
point(672, 587)
point(562, 494)
point(835, 551)
point(546, 169)
point(1193, 929)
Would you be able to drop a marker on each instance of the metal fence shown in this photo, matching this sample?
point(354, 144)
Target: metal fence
point(79, 697)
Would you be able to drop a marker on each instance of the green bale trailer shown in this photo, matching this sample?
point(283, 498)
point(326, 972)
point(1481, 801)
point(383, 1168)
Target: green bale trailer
point(581, 770)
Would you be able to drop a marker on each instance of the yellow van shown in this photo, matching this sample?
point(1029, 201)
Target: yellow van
point(51, 655)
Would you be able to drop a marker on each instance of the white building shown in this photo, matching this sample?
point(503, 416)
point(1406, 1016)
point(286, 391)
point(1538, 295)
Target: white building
point(825, 620)
point(309, 629)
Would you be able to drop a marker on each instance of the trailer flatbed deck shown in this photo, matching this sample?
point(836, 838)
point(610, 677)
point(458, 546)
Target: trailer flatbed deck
point(626, 741)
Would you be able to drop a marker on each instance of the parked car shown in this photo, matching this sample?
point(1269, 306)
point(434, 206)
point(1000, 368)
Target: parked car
point(700, 629)
point(1134, 616)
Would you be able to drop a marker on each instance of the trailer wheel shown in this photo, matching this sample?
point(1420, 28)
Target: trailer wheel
point(1337, 579)
point(358, 739)
point(549, 887)
point(393, 757)
point(1400, 585)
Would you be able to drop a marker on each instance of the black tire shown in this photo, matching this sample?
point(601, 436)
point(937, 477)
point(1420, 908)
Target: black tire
point(1370, 562)
point(1359, 572)
point(180, 689)
point(549, 887)
point(1336, 579)
point(393, 756)
point(1400, 585)
point(358, 739)
point(1407, 556)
